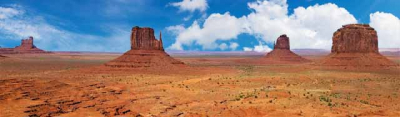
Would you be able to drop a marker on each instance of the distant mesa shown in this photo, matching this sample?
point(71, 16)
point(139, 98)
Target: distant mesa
point(26, 47)
point(146, 51)
point(282, 52)
point(355, 45)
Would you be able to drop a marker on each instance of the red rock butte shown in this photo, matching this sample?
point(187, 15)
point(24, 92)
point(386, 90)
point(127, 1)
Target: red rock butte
point(356, 45)
point(282, 53)
point(146, 51)
point(26, 47)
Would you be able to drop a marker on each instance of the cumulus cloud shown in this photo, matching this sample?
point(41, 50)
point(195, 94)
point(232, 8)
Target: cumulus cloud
point(258, 48)
point(215, 27)
point(191, 5)
point(310, 27)
point(388, 28)
point(247, 49)
point(233, 45)
point(223, 46)
point(16, 24)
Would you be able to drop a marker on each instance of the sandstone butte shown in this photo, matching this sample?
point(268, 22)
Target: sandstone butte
point(356, 45)
point(26, 47)
point(282, 53)
point(146, 51)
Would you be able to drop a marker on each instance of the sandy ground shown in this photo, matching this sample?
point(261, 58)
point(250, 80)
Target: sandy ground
point(74, 85)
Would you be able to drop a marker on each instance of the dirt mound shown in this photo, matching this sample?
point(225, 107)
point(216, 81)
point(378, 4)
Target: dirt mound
point(146, 51)
point(26, 47)
point(356, 45)
point(282, 53)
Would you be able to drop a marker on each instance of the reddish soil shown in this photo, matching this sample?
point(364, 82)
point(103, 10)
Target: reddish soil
point(78, 85)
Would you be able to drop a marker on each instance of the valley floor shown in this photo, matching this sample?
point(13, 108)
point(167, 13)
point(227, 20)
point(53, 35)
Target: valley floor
point(72, 85)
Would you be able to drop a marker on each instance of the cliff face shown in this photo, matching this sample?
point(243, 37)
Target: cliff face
point(146, 52)
point(356, 45)
point(282, 43)
point(144, 39)
point(355, 38)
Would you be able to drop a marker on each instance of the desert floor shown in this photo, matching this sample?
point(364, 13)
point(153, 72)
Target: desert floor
point(73, 85)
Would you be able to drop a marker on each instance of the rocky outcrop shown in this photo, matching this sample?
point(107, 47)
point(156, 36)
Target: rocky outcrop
point(356, 45)
point(146, 51)
point(355, 38)
point(143, 39)
point(282, 43)
point(26, 47)
point(282, 53)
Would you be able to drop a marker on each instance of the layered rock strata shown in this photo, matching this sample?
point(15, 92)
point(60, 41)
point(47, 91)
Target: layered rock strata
point(356, 45)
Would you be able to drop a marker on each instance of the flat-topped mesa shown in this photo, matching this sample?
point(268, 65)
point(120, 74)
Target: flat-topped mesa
point(144, 39)
point(355, 38)
point(282, 43)
point(356, 45)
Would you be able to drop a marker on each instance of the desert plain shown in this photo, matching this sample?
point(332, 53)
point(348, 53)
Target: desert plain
point(78, 85)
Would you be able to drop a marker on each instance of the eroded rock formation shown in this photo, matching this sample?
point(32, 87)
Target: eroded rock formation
point(355, 38)
point(282, 53)
point(26, 47)
point(356, 45)
point(143, 39)
point(146, 51)
point(282, 43)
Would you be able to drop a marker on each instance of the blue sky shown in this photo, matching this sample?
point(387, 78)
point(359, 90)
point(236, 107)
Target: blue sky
point(210, 25)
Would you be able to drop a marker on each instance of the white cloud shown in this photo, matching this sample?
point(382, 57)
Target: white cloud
point(222, 27)
point(233, 45)
point(310, 27)
point(388, 28)
point(8, 12)
point(191, 5)
point(223, 46)
point(18, 24)
point(258, 48)
point(176, 29)
point(247, 49)
point(262, 48)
